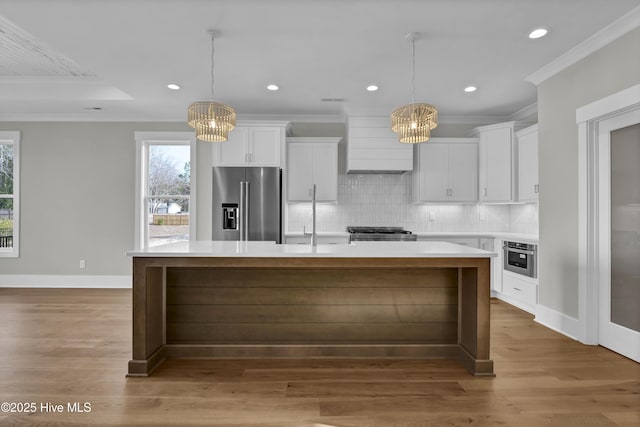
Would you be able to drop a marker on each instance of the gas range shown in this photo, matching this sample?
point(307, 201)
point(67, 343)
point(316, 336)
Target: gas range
point(382, 234)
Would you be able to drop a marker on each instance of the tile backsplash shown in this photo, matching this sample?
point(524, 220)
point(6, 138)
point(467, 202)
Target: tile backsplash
point(385, 200)
point(524, 218)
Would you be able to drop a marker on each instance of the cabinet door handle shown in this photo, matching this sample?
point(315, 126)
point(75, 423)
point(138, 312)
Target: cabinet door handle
point(536, 188)
point(517, 289)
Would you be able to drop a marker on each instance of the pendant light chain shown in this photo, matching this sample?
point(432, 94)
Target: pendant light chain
point(413, 68)
point(212, 63)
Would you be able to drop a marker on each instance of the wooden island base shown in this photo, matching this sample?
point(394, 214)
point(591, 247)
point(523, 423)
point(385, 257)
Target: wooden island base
point(260, 307)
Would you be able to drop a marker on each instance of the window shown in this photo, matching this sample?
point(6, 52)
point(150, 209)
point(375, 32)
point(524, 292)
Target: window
point(9, 193)
point(165, 208)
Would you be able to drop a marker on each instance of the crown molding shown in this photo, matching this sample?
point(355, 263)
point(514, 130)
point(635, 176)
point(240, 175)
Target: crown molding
point(611, 32)
point(524, 112)
point(471, 120)
point(101, 117)
point(442, 119)
point(89, 116)
point(296, 118)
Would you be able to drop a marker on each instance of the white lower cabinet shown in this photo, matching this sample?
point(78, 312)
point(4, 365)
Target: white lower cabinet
point(466, 241)
point(496, 268)
point(322, 240)
point(487, 244)
point(520, 291)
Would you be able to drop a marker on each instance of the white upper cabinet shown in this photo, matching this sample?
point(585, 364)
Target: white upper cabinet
point(373, 147)
point(312, 161)
point(252, 144)
point(299, 171)
point(446, 171)
point(463, 172)
point(497, 177)
point(232, 152)
point(528, 164)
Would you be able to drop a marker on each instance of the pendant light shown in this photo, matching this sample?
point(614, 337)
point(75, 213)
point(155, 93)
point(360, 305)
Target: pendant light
point(212, 120)
point(413, 122)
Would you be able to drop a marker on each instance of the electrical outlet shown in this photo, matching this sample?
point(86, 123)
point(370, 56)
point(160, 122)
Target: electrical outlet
point(83, 264)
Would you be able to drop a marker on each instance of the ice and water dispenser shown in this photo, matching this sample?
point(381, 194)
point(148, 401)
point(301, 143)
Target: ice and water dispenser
point(229, 216)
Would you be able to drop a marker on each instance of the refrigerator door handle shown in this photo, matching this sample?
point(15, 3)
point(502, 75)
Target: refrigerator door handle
point(247, 207)
point(242, 214)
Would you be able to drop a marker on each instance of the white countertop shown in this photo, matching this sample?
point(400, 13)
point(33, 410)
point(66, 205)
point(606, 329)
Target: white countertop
point(271, 250)
point(319, 233)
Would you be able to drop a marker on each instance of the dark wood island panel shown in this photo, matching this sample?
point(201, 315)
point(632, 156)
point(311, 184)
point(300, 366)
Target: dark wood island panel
point(234, 307)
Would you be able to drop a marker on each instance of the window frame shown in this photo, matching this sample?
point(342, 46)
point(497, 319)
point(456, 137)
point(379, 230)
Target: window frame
point(13, 138)
point(143, 141)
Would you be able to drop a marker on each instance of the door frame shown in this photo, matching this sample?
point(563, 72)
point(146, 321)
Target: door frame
point(590, 248)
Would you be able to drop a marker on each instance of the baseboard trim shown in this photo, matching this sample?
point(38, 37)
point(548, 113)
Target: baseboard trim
point(64, 281)
point(557, 321)
point(514, 302)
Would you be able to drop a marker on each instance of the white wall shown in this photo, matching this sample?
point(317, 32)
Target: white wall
point(606, 71)
point(77, 197)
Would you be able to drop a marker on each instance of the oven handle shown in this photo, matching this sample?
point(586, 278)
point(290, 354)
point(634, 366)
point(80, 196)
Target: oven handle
point(519, 251)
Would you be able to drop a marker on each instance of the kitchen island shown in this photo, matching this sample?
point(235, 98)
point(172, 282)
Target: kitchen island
point(211, 299)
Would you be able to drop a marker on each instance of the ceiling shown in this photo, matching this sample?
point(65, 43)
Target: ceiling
point(113, 59)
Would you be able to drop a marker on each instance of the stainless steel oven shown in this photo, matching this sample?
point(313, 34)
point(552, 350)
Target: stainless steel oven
point(521, 258)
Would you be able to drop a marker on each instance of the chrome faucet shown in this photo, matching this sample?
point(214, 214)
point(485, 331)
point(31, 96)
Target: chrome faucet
point(314, 234)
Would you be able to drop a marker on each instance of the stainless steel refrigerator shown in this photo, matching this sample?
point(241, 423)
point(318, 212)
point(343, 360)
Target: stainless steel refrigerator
point(247, 203)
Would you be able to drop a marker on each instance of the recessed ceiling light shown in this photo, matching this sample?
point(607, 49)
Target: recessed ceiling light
point(272, 87)
point(538, 32)
point(173, 86)
point(372, 88)
point(470, 89)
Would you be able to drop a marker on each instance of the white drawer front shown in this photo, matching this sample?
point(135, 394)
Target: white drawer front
point(297, 240)
point(520, 289)
point(325, 240)
point(322, 240)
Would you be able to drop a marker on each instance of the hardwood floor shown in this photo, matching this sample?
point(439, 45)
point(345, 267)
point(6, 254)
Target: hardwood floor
point(70, 345)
